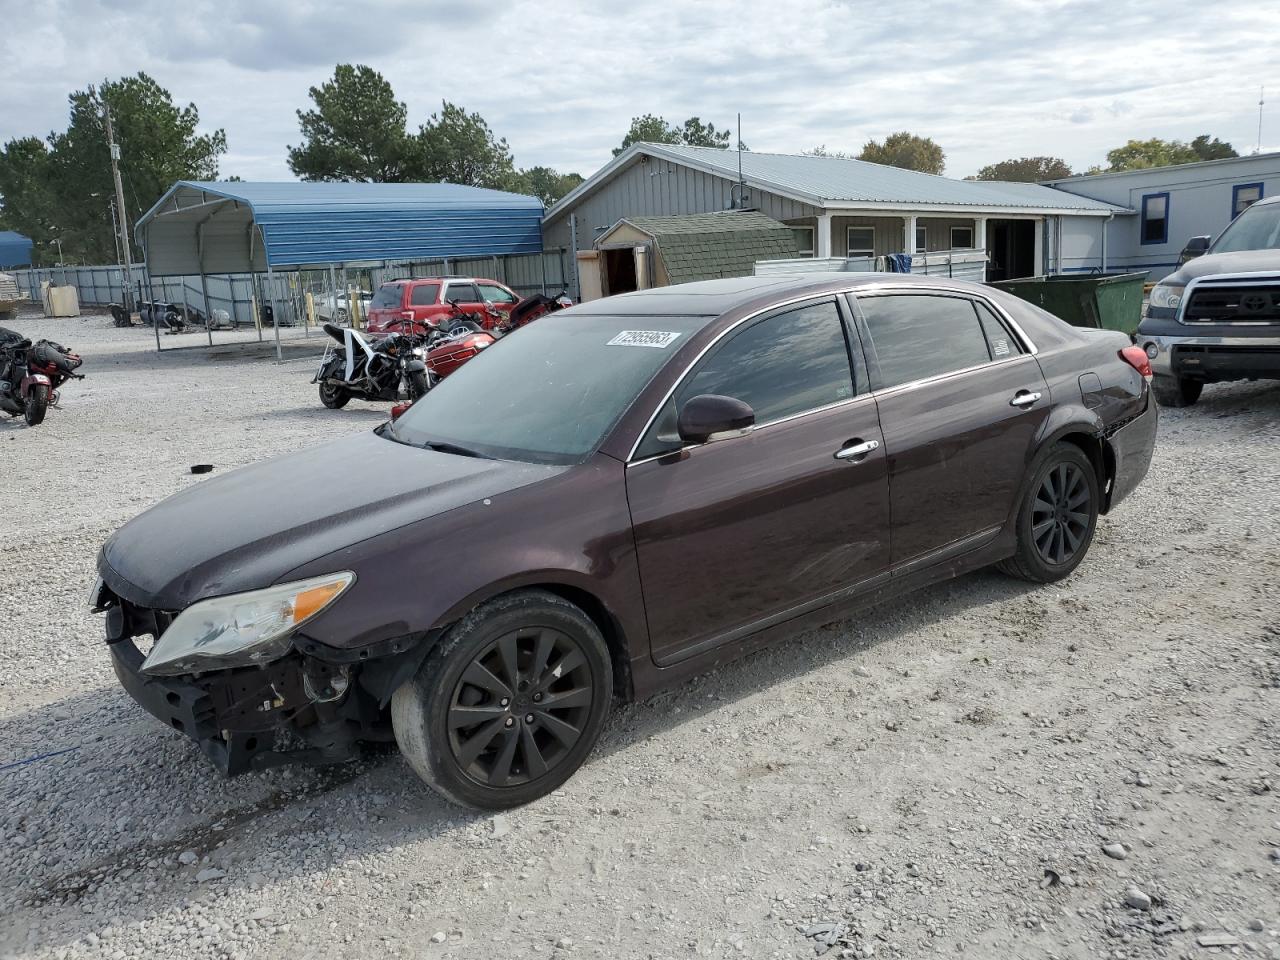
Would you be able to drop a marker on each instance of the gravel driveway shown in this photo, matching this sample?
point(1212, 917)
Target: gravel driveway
point(1089, 769)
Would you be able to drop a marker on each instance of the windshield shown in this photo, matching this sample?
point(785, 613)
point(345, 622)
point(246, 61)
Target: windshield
point(1258, 228)
point(548, 392)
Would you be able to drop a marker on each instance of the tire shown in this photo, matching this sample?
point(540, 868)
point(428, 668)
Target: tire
point(442, 713)
point(335, 398)
point(1054, 526)
point(37, 404)
point(1176, 391)
point(418, 385)
point(341, 315)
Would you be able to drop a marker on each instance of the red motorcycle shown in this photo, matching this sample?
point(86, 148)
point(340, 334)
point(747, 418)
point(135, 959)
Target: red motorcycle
point(30, 374)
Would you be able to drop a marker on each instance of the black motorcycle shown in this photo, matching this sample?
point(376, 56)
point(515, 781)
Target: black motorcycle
point(391, 368)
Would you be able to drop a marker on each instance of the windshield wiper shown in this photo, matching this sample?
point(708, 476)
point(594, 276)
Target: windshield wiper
point(388, 430)
point(441, 446)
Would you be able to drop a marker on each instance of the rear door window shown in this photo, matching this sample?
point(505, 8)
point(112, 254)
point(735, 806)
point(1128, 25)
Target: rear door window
point(388, 296)
point(915, 337)
point(1000, 341)
point(424, 294)
point(462, 292)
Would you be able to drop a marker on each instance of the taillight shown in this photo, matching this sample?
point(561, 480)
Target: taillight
point(1137, 358)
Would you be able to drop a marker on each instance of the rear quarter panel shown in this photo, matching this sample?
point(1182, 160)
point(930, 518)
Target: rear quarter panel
point(1093, 391)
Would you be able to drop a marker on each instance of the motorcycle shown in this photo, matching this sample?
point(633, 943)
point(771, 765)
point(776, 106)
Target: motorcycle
point(391, 368)
point(29, 374)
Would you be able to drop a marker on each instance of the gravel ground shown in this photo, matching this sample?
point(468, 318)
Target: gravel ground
point(1083, 770)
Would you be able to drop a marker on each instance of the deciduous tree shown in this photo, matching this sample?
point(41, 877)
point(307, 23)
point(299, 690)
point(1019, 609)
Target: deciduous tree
point(1026, 170)
point(906, 150)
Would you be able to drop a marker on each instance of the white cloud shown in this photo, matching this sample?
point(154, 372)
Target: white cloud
point(561, 80)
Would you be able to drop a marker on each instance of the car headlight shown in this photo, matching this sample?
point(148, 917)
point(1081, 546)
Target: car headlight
point(243, 629)
point(1167, 295)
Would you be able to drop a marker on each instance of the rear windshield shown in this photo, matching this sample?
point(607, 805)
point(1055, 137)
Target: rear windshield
point(388, 295)
point(549, 392)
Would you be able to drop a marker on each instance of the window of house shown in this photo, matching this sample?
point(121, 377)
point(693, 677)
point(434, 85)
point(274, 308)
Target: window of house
point(424, 294)
point(1243, 196)
point(916, 336)
point(495, 294)
point(1155, 218)
point(922, 239)
point(804, 240)
point(862, 241)
point(962, 238)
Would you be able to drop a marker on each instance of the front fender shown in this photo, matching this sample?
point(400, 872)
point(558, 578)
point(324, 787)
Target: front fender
point(415, 366)
point(31, 380)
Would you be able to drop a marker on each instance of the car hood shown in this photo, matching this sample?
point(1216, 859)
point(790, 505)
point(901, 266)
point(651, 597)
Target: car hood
point(246, 529)
point(1238, 261)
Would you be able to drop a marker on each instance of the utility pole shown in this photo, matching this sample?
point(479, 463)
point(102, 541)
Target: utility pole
point(122, 220)
point(1261, 97)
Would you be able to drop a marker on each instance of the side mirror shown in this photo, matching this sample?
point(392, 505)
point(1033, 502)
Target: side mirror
point(1196, 247)
point(709, 417)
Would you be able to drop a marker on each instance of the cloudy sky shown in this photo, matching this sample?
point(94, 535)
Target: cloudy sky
point(562, 79)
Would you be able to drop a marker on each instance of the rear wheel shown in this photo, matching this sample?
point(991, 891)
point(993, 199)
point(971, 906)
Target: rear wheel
point(36, 405)
point(1057, 518)
point(509, 703)
point(1176, 391)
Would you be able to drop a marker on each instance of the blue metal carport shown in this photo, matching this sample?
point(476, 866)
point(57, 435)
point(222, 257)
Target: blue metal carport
point(237, 227)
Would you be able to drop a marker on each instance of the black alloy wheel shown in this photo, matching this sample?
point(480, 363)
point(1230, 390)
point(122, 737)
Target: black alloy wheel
point(1057, 516)
point(520, 707)
point(508, 703)
point(1060, 516)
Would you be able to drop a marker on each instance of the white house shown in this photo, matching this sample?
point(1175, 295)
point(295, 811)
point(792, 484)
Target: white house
point(837, 207)
point(1169, 205)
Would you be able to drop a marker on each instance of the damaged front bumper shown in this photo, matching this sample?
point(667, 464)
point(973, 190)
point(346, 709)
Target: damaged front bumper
point(313, 706)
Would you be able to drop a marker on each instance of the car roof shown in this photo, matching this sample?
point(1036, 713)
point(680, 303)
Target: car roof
point(442, 279)
point(715, 297)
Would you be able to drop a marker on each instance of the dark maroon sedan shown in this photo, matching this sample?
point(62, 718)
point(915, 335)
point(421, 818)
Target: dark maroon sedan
point(610, 500)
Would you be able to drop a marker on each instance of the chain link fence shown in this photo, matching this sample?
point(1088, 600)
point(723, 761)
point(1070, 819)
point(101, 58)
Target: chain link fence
point(243, 298)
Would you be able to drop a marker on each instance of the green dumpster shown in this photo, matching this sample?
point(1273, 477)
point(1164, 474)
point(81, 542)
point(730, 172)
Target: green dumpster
point(1112, 301)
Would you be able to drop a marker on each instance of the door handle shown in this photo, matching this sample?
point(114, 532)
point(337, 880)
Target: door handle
point(856, 450)
point(1024, 399)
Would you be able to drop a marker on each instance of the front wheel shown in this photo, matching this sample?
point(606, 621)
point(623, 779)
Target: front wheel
point(1056, 520)
point(37, 404)
point(509, 703)
point(1176, 391)
point(418, 384)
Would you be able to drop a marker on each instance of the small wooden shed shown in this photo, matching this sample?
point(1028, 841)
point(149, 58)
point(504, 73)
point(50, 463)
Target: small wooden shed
point(637, 253)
